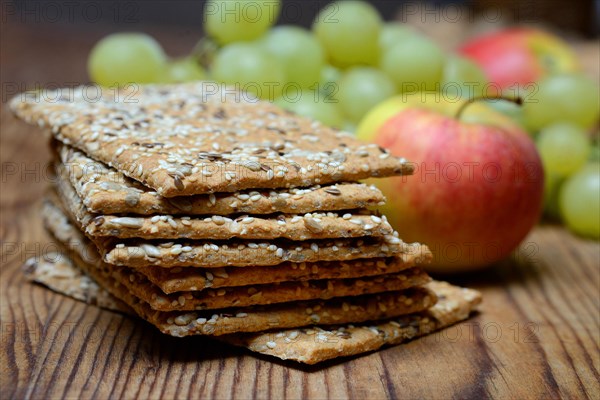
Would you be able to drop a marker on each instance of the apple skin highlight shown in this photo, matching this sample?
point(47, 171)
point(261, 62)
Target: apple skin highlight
point(477, 189)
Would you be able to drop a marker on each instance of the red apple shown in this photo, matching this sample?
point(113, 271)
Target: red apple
point(520, 55)
point(478, 183)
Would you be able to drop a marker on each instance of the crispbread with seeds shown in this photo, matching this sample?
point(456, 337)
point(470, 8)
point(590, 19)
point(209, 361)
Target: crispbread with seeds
point(205, 254)
point(178, 279)
point(287, 315)
point(184, 140)
point(171, 280)
point(106, 191)
point(71, 238)
point(316, 344)
point(271, 293)
point(57, 272)
point(307, 345)
point(259, 318)
point(316, 225)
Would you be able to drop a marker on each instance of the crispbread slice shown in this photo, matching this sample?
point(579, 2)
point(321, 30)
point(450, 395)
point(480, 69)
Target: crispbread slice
point(307, 345)
point(211, 254)
point(259, 318)
point(179, 279)
point(272, 293)
point(72, 239)
point(286, 315)
point(105, 190)
point(57, 272)
point(184, 139)
point(317, 344)
point(171, 280)
point(330, 225)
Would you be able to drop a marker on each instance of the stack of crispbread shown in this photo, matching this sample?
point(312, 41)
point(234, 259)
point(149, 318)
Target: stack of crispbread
point(223, 216)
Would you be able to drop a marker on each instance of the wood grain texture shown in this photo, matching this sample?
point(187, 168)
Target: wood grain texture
point(537, 335)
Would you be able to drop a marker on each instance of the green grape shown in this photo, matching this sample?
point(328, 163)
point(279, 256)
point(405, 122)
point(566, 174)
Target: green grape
point(123, 58)
point(510, 109)
point(349, 32)
point(251, 67)
point(330, 73)
point(329, 82)
point(299, 52)
point(228, 21)
point(361, 88)
point(566, 97)
point(580, 201)
point(392, 33)
point(462, 77)
point(564, 148)
point(307, 105)
point(183, 70)
point(415, 63)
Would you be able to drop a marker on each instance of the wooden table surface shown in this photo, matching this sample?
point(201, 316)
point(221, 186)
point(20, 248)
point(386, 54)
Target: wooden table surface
point(537, 334)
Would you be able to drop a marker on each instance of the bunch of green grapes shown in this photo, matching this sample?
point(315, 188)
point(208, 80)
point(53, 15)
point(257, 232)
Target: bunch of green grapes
point(350, 61)
point(341, 68)
point(346, 64)
point(561, 112)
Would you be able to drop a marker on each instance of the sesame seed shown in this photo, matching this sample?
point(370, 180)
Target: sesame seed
point(313, 226)
point(392, 239)
point(376, 219)
point(182, 320)
point(128, 222)
point(217, 219)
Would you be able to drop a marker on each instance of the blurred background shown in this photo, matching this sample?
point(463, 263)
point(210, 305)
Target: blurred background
point(67, 28)
point(577, 16)
point(345, 68)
